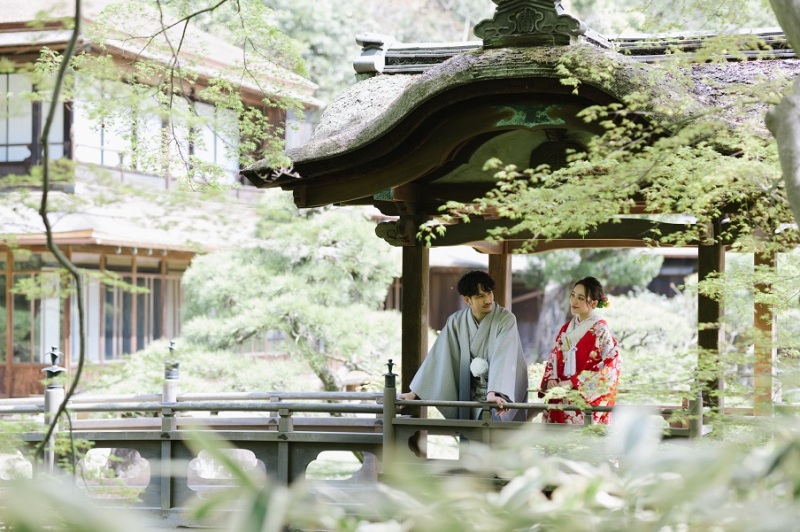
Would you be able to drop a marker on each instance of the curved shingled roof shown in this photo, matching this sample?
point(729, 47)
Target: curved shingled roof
point(372, 107)
point(415, 132)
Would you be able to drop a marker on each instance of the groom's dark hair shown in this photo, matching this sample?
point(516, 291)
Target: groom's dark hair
point(471, 283)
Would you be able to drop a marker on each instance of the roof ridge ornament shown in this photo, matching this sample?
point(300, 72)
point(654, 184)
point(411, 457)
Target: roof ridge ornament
point(373, 52)
point(529, 23)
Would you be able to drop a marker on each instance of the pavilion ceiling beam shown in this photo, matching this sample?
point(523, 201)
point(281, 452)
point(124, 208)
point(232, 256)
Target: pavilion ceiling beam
point(579, 243)
point(491, 248)
point(429, 199)
point(627, 233)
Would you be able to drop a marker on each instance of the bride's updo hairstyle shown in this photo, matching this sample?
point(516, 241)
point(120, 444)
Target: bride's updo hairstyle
point(594, 291)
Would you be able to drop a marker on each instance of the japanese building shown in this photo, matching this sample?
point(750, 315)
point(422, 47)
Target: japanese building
point(128, 237)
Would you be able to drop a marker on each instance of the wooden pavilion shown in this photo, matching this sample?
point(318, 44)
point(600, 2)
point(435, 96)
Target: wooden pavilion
point(417, 128)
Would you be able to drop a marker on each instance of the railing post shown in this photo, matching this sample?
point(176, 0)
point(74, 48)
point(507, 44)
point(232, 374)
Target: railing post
point(171, 379)
point(274, 399)
point(53, 397)
point(696, 416)
point(285, 424)
point(389, 412)
point(169, 423)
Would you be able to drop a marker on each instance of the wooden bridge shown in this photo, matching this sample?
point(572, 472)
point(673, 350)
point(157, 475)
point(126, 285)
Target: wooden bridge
point(275, 433)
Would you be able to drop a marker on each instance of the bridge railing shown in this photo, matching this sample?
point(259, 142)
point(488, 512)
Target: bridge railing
point(164, 474)
point(402, 433)
point(283, 432)
point(274, 434)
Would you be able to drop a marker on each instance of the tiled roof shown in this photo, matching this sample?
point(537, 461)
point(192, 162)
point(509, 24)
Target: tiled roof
point(211, 54)
point(24, 11)
point(382, 55)
point(135, 223)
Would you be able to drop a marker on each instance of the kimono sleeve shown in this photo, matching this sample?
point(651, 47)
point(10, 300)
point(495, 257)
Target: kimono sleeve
point(506, 362)
point(437, 377)
point(551, 365)
point(601, 377)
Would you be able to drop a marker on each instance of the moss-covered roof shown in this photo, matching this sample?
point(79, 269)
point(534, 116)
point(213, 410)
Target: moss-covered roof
point(372, 107)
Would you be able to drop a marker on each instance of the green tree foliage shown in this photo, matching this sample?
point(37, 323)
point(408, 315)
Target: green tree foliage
point(658, 335)
point(327, 29)
point(319, 276)
point(612, 18)
point(620, 269)
point(202, 369)
point(314, 281)
point(699, 168)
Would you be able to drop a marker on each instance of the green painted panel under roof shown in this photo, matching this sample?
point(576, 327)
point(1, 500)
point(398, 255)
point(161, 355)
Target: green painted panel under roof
point(512, 147)
point(531, 115)
point(384, 195)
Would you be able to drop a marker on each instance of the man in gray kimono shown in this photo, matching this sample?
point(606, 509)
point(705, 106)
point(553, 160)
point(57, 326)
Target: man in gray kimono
point(476, 357)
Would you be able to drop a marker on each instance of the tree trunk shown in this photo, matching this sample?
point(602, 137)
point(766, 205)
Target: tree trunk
point(319, 364)
point(784, 119)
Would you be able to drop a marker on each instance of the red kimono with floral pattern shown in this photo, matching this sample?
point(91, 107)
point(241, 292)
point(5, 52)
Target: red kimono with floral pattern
point(597, 366)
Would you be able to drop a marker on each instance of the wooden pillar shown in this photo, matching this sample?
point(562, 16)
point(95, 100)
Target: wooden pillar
point(102, 327)
point(500, 271)
point(67, 318)
point(416, 281)
point(764, 348)
point(710, 260)
point(163, 297)
point(9, 317)
point(134, 304)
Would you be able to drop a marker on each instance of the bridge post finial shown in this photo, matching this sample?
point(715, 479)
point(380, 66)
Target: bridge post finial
point(54, 370)
point(390, 378)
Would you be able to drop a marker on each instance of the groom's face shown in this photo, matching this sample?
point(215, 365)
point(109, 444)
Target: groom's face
point(481, 303)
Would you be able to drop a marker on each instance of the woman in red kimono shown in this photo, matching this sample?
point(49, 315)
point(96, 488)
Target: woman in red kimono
point(585, 358)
